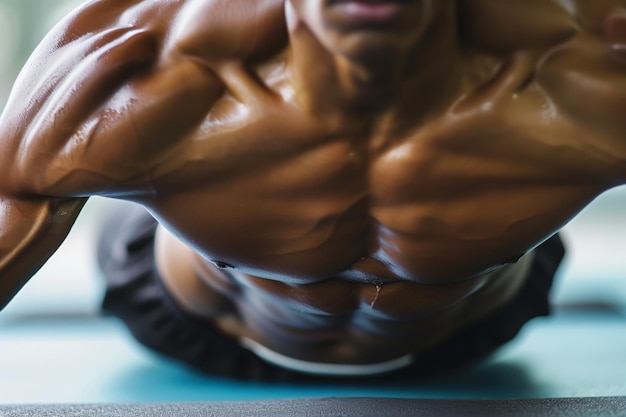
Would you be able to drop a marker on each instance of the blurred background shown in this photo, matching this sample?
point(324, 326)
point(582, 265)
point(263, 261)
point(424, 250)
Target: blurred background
point(23, 23)
point(67, 292)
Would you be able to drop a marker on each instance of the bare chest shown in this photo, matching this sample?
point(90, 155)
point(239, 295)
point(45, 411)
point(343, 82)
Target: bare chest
point(283, 199)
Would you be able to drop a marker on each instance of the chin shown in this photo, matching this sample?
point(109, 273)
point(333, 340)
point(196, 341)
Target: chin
point(364, 29)
point(367, 46)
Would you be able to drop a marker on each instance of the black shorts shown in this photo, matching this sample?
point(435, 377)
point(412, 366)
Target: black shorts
point(136, 295)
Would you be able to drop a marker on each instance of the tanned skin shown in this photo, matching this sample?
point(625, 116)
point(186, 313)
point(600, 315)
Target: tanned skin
point(337, 190)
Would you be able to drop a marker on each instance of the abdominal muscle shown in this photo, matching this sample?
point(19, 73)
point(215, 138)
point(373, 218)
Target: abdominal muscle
point(335, 320)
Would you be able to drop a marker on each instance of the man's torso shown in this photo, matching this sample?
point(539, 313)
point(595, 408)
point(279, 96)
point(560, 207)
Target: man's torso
point(343, 234)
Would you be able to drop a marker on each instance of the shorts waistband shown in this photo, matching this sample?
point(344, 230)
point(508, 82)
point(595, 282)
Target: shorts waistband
point(325, 369)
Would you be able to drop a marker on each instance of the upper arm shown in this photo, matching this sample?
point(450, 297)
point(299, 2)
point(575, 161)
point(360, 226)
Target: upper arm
point(97, 105)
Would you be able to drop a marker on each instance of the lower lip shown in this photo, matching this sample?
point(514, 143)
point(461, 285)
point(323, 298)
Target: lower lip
point(366, 11)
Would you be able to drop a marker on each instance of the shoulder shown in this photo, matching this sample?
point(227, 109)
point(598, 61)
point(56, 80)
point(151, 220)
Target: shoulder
point(497, 26)
point(502, 26)
point(97, 84)
point(102, 34)
point(222, 30)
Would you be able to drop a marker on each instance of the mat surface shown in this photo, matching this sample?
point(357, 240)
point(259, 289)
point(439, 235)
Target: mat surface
point(345, 407)
point(69, 360)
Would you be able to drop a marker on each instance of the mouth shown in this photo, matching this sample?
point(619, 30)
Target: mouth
point(369, 11)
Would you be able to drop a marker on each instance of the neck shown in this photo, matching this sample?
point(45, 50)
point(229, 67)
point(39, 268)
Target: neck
point(414, 79)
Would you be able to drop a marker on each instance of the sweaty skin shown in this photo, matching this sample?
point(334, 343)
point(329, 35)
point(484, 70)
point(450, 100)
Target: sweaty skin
point(336, 186)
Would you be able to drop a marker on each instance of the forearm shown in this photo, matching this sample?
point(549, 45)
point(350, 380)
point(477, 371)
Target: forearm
point(30, 232)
